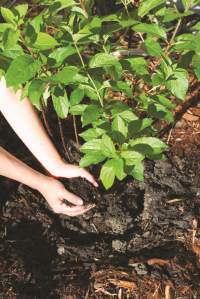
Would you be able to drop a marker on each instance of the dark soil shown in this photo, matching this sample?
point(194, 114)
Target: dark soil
point(140, 241)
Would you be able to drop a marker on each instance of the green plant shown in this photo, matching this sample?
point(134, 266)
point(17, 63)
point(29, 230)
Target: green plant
point(68, 54)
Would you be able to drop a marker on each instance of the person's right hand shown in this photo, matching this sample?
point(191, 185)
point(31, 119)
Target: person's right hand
point(55, 194)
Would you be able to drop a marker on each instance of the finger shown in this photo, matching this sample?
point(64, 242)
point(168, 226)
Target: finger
point(75, 211)
point(85, 174)
point(72, 198)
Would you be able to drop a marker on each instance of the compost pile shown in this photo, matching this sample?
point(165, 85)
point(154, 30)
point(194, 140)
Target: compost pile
point(140, 241)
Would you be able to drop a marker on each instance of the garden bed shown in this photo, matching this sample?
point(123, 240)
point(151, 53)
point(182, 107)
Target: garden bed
point(140, 241)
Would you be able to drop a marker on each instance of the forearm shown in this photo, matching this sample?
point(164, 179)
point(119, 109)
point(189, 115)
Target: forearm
point(27, 125)
point(14, 169)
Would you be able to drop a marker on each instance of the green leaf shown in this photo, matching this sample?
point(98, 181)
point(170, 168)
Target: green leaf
point(10, 38)
point(138, 172)
point(66, 75)
point(76, 96)
point(44, 41)
point(107, 146)
point(21, 10)
point(139, 125)
point(92, 146)
point(22, 69)
point(119, 125)
point(102, 60)
point(35, 91)
point(178, 85)
point(131, 157)
point(60, 102)
point(138, 65)
point(159, 111)
point(57, 57)
point(148, 145)
point(128, 115)
point(153, 48)
point(78, 109)
point(92, 158)
point(148, 5)
point(92, 133)
point(165, 101)
point(59, 5)
point(196, 65)
point(153, 29)
point(8, 15)
point(119, 168)
point(4, 26)
point(107, 174)
point(90, 114)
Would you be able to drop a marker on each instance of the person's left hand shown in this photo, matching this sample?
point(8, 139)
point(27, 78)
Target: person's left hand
point(66, 170)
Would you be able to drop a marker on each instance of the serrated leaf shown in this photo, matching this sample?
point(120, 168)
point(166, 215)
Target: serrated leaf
point(60, 102)
point(90, 114)
point(22, 69)
point(35, 91)
point(76, 96)
point(102, 60)
point(131, 157)
point(57, 57)
point(138, 65)
point(21, 10)
point(44, 41)
point(159, 111)
point(178, 85)
point(107, 146)
point(119, 125)
point(153, 29)
point(138, 172)
point(8, 15)
point(78, 109)
point(139, 125)
point(107, 174)
point(66, 75)
point(10, 38)
point(153, 48)
point(92, 146)
point(148, 145)
point(92, 133)
point(92, 158)
point(148, 5)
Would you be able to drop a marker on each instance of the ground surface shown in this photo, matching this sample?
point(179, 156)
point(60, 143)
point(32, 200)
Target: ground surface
point(141, 240)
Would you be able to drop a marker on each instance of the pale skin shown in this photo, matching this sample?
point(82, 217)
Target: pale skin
point(27, 125)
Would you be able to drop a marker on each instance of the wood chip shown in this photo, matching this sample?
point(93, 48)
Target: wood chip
point(157, 261)
point(190, 117)
point(123, 284)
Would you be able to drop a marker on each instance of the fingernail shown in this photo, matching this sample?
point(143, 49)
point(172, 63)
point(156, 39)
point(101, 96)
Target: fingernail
point(80, 202)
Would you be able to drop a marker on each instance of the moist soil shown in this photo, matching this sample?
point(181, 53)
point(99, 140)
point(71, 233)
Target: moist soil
point(140, 241)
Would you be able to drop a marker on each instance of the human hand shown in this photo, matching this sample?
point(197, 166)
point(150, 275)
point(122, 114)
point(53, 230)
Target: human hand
point(55, 194)
point(66, 170)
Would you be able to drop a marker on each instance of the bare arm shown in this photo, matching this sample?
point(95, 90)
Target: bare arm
point(26, 123)
point(53, 191)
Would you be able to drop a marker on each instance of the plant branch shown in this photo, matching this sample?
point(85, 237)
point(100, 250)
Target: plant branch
point(63, 140)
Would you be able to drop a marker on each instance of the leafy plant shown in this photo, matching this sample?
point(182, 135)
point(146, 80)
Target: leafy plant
point(89, 67)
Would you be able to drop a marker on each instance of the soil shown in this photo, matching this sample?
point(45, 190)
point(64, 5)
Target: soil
point(140, 241)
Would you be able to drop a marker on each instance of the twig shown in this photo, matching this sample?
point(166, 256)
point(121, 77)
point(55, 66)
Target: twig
point(75, 131)
point(173, 35)
point(45, 119)
point(82, 4)
point(63, 140)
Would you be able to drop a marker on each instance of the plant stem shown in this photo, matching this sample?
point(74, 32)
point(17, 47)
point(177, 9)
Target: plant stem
point(45, 119)
point(89, 77)
point(63, 140)
point(75, 131)
point(173, 35)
